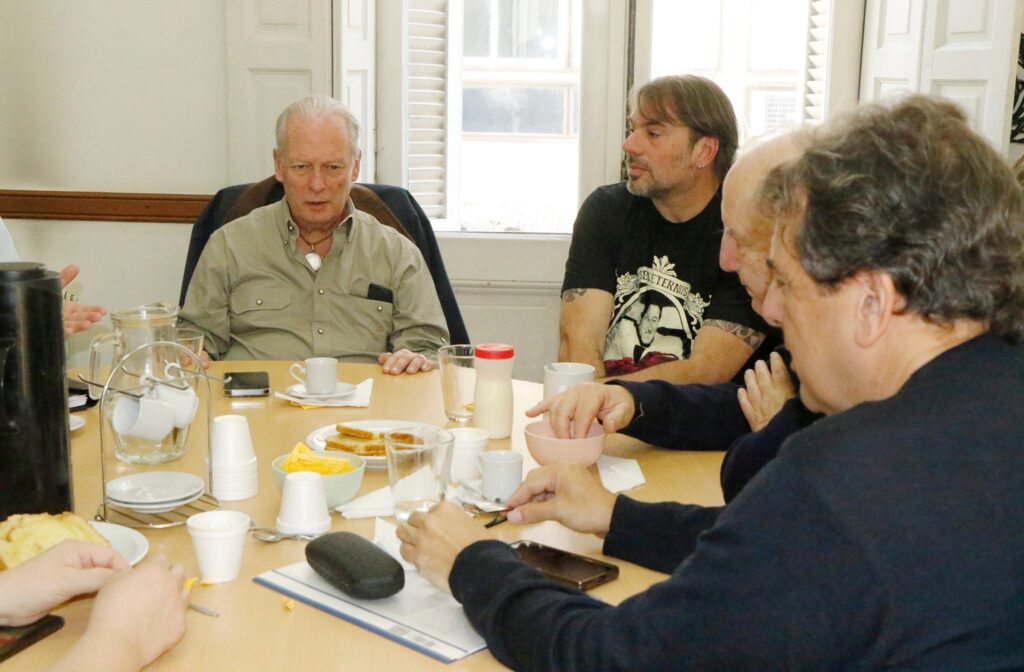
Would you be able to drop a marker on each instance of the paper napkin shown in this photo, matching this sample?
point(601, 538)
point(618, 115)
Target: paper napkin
point(376, 503)
point(359, 398)
point(619, 474)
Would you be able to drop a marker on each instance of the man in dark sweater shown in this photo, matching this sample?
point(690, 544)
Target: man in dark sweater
point(888, 535)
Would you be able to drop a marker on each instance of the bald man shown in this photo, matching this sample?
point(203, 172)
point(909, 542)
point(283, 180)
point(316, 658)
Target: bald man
point(709, 417)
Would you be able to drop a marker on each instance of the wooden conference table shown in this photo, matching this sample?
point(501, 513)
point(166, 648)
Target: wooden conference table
point(255, 631)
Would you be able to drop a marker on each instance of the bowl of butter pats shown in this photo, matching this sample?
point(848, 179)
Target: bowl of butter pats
point(342, 472)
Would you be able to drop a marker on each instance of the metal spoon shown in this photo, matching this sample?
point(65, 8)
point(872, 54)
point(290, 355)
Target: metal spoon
point(271, 535)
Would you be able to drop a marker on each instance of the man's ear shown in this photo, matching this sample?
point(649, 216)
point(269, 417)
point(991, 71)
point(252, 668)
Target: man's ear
point(705, 151)
point(355, 165)
point(875, 304)
point(278, 165)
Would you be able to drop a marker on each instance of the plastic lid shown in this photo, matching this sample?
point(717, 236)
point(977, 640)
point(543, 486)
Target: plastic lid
point(494, 351)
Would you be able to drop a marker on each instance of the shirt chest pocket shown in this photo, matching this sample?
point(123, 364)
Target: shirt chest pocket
point(252, 303)
point(366, 324)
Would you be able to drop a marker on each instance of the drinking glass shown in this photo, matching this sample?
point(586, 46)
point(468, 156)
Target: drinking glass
point(419, 460)
point(458, 378)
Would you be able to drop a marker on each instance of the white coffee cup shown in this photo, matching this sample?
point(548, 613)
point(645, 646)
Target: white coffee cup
point(321, 375)
point(147, 418)
point(501, 473)
point(219, 540)
point(561, 376)
point(468, 444)
point(183, 401)
point(303, 505)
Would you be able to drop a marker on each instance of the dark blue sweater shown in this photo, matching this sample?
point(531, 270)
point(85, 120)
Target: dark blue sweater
point(888, 536)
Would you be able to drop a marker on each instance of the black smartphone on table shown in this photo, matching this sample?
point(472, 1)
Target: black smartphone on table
point(16, 638)
point(564, 567)
point(247, 384)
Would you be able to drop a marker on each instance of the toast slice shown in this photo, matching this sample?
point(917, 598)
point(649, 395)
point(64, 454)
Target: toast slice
point(25, 535)
point(363, 442)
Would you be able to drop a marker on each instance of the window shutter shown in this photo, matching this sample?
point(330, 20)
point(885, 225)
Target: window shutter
point(816, 65)
point(426, 93)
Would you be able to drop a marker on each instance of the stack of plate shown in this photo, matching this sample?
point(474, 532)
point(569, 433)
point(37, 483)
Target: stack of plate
point(154, 491)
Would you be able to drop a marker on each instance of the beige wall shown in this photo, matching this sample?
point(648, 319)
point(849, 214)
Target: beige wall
point(112, 95)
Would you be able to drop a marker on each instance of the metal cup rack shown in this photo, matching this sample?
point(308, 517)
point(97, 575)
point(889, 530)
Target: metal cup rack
point(114, 513)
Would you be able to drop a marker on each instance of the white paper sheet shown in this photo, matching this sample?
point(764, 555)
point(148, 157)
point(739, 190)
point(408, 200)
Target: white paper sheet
point(419, 616)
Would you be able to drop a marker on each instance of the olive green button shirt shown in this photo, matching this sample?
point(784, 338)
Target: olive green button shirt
point(255, 296)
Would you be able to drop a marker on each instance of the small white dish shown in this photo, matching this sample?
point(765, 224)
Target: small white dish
point(299, 390)
point(126, 541)
point(155, 488)
point(75, 422)
point(317, 439)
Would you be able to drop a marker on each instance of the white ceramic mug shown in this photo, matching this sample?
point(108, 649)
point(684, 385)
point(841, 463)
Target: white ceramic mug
point(147, 418)
point(183, 401)
point(561, 376)
point(321, 375)
point(501, 473)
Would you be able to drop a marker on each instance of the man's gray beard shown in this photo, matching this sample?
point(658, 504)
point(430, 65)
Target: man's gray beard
point(651, 190)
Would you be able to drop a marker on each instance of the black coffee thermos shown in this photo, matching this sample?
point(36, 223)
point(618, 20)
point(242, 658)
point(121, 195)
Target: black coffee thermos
point(35, 467)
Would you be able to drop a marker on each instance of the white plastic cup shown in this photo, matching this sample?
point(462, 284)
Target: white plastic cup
point(501, 472)
point(218, 538)
point(561, 376)
point(321, 375)
point(146, 418)
point(303, 505)
point(468, 444)
point(231, 443)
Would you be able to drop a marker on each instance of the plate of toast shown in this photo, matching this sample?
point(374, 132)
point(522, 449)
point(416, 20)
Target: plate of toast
point(364, 438)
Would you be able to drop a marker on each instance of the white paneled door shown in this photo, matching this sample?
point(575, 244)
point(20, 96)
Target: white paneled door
point(281, 50)
point(963, 50)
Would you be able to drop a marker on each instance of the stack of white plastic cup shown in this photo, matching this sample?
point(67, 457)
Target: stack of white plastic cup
point(303, 505)
point(219, 540)
point(232, 460)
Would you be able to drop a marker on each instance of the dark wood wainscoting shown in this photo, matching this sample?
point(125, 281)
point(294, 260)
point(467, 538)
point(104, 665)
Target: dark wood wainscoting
point(101, 206)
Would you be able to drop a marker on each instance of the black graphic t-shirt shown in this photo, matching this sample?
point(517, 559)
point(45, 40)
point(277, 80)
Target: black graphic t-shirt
point(664, 276)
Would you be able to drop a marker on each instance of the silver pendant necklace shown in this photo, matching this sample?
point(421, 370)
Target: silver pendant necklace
point(314, 260)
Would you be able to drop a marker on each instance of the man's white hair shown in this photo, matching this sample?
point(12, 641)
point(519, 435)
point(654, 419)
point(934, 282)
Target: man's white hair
point(319, 107)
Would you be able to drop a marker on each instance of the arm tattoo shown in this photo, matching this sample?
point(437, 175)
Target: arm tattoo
point(570, 295)
point(752, 337)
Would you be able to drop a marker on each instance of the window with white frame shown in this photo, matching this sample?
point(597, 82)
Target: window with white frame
point(494, 126)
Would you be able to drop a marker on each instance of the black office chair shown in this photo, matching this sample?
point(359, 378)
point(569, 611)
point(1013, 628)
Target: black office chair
point(392, 206)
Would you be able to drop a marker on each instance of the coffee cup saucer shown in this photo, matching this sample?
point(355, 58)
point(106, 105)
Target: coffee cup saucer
point(299, 390)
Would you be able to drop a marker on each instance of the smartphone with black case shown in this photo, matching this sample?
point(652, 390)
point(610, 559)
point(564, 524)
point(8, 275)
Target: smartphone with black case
point(564, 567)
point(247, 384)
point(16, 638)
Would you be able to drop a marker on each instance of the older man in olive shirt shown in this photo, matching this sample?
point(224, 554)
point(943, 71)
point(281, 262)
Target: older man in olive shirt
point(311, 275)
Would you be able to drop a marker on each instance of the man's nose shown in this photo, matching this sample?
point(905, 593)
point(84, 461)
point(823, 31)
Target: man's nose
point(316, 181)
point(629, 145)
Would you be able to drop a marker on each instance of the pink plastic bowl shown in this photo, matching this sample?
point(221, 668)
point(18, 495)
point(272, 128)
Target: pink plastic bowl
point(546, 448)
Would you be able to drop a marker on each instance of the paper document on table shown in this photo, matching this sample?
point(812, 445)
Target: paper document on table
point(419, 616)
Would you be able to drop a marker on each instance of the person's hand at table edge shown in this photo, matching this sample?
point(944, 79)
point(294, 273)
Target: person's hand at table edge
point(567, 493)
point(433, 540)
point(76, 316)
point(71, 568)
point(404, 361)
point(572, 412)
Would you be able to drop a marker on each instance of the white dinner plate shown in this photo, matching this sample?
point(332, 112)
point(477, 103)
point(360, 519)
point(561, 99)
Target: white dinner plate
point(75, 422)
point(317, 439)
point(155, 489)
point(299, 390)
point(126, 541)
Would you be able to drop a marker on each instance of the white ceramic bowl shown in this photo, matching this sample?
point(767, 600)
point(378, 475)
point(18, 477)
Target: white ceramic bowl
point(338, 488)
